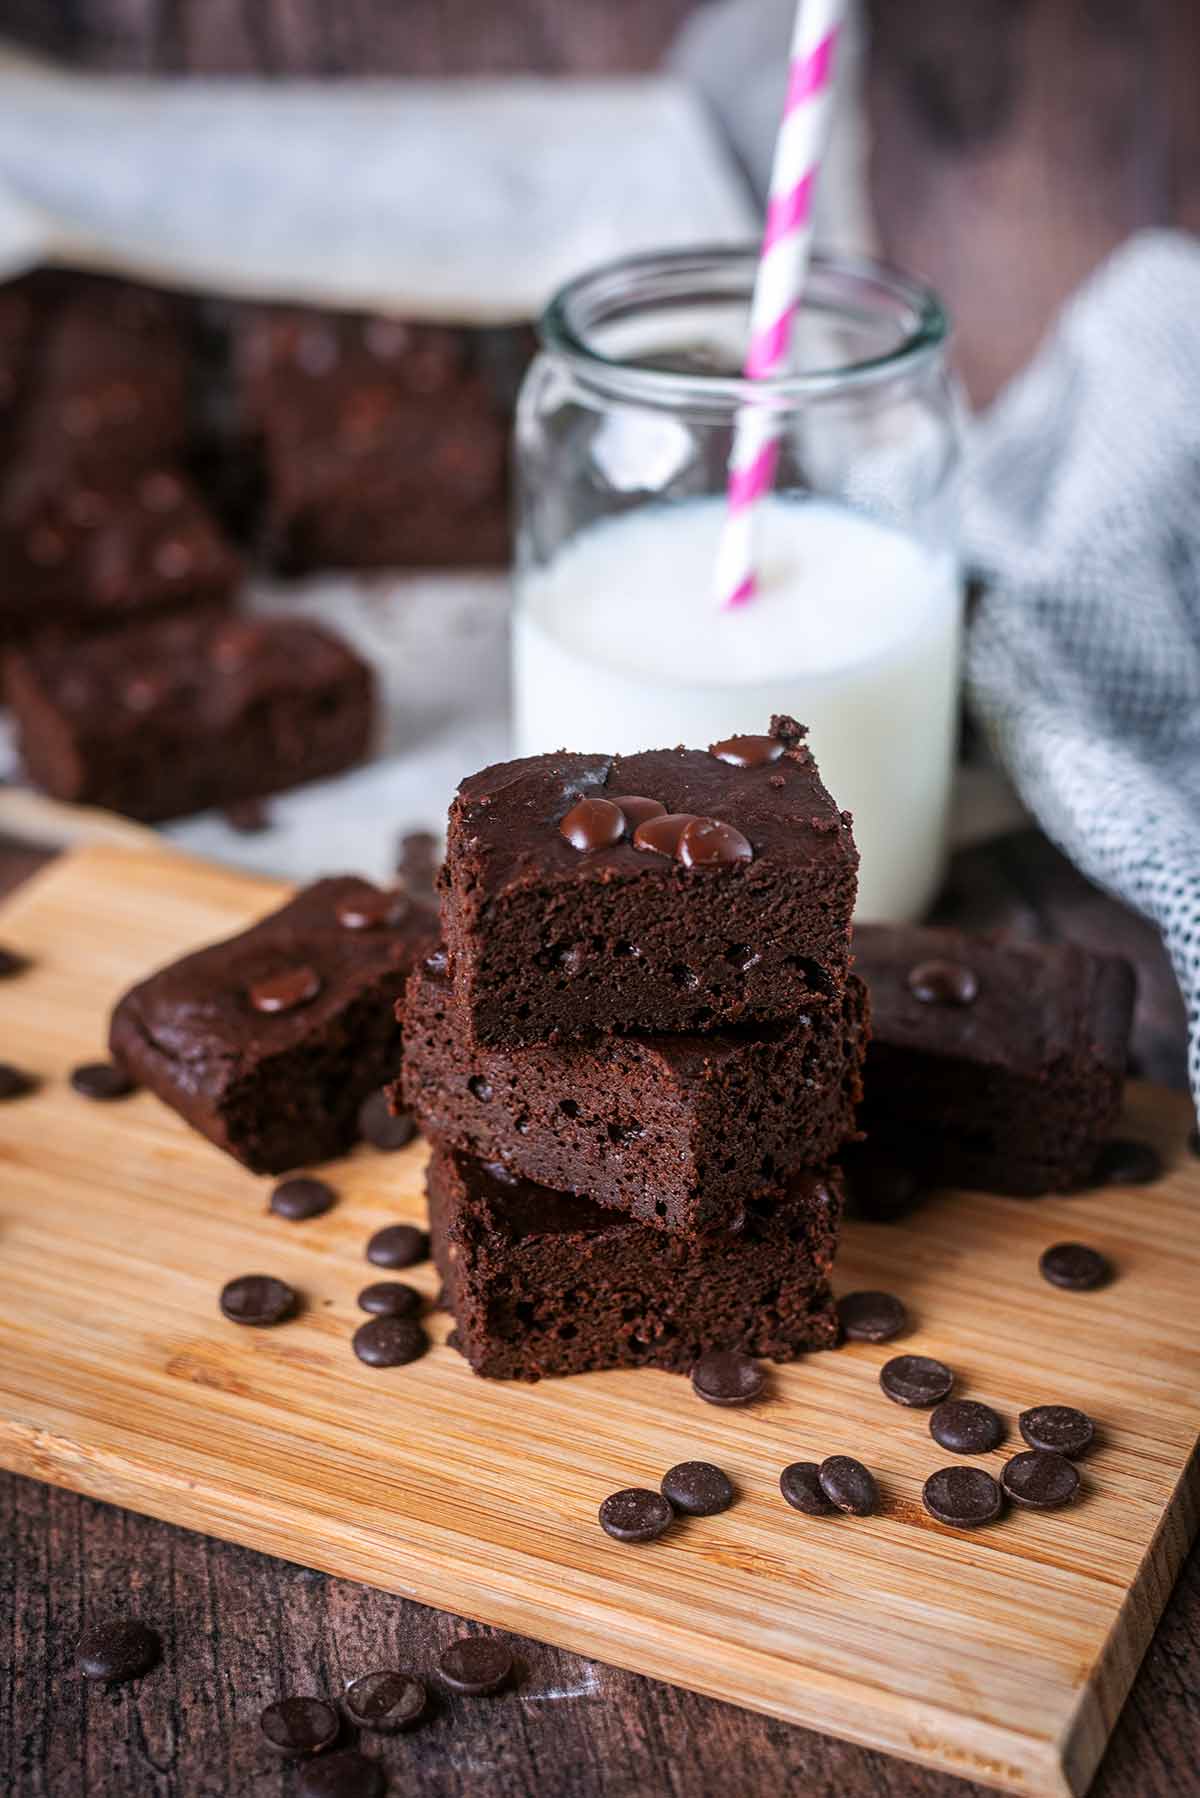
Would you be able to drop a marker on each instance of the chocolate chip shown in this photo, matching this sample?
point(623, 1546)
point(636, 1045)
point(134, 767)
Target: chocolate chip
point(636, 1514)
point(871, 1316)
point(1059, 1428)
point(299, 1726)
point(881, 1190)
point(385, 1701)
point(477, 1664)
point(301, 1198)
point(966, 1427)
point(964, 1497)
point(943, 983)
point(11, 963)
point(726, 1377)
point(698, 1488)
point(437, 964)
point(1040, 1479)
point(747, 752)
point(849, 1485)
point(14, 1082)
point(1125, 1163)
point(398, 1245)
point(390, 1298)
point(593, 824)
point(118, 1650)
point(636, 809)
point(285, 991)
point(348, 1774)
point(1074, 1267)
point(248, 817)
point(390, 1341)
point(381, 1127)
point(801, 1486)
point(366, 911)
point(662, 834)
point(480, 1089)
point(916, 1380)
point(101, 1080)
point(258, 1300)
point(706, 843)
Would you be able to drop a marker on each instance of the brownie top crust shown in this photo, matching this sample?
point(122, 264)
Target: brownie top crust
point(994, 1000)
point(507, 818)
point(217, 1012)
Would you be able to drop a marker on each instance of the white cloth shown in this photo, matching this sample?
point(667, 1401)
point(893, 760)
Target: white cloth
point(1083, 658)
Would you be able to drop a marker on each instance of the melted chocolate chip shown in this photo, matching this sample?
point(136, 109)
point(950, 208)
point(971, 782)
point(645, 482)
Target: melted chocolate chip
point(707, 843)
point(662, 834)
point(593, 824)
point(1125, 1163)
point(944, 983)
point(258, 1300)
point(1074, 1267)
point(747, 752)
point(636, 1514)
point(285, 991)
point(637, 809)
point(102, 1080)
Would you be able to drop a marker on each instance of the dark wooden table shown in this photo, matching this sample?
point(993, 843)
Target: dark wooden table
point(1016, 141)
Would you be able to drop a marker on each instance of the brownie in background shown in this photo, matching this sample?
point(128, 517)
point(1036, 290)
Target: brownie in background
point(169, 718)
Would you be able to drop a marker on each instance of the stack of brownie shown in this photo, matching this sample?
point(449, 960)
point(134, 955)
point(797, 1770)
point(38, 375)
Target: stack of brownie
point(638, 1055)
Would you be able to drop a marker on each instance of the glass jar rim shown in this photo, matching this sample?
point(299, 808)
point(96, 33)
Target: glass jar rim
point(564, 326)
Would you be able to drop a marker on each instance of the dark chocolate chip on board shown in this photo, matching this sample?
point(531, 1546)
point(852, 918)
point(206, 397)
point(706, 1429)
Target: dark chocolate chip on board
point(1074, 1266)
point(390, 1341)
point(258, 1300)
point(299, 1726)
point(476, 1664)
point(1126, 1163)
point(916, 1380)
point(385, 1701)
point(101, 1080)
point(871, 1316)
point(726, 1377)
point(801, 1486)
point(381, 1127)
point(347, 1774)
point(1041, 1479)
point(698, 1488)
point(636, 1514)
point(849, 1485)
point(966, 1427)
point(11, 963)
point(964, 1497)
point(880, 1190)
point(301, 1198)
point(1060, 1428)
point(118, 1650)
point(15, 1082)
point(398, 1245)
point(390, 1298)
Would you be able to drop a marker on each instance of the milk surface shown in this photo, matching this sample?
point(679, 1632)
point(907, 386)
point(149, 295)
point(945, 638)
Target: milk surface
point(618, 645)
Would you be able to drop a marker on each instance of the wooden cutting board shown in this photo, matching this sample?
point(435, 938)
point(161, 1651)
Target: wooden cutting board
point(1002, 1655)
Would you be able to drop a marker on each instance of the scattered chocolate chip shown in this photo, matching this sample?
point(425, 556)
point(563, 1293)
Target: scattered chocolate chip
point(476, 1664)
point(880, 1190)
point(964, 1497)
point(636, 1514)
point(14, 1082)
point(662, 834)
point(102, 1080)
point(390, 1341)
point(390, 1298)
point(118, 1650)
point(871, 1316)
point(747, 752)
point(966, 1427)
point(706, 843)
point(944, 983)
point(285, 991)
point(849, 1485)
point(593, 824)
point(1059, 1428)
point(916, 1380)
point(1126, 1163)
point(801, 1486)
point(636, 809)
point(1041, 1479)
point(381, 1127)
point(1074, 1267)
point(299, 1726)
point(385, 1701)
point(366, 911)
point(248, 817)
point(398, 1245)
point(725, 1377)
point(302, 1198)
point(258, 1300)
point(347, 1774)
point(698, 1488)
point(11, 963)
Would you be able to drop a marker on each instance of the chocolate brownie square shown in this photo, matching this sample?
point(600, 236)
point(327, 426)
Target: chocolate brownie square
point(269, 1043)
point(994, 1063)
point(169, 718)
point(678, 1131)
point(676, 890)
point(99, 550)
point(541, 1282)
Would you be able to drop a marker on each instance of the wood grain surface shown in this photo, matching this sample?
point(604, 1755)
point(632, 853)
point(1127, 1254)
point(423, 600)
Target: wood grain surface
point(1005, 1655)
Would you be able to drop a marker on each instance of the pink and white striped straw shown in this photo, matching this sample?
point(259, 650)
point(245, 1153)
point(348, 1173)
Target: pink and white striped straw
point(783, 263)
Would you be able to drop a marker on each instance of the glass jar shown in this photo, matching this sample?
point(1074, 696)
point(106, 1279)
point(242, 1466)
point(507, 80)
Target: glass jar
point(624, 430)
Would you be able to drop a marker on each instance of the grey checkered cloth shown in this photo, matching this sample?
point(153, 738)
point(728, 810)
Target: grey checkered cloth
point(1083, 658)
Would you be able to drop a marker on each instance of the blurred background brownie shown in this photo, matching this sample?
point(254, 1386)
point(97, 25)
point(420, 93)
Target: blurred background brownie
point(173, 717)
